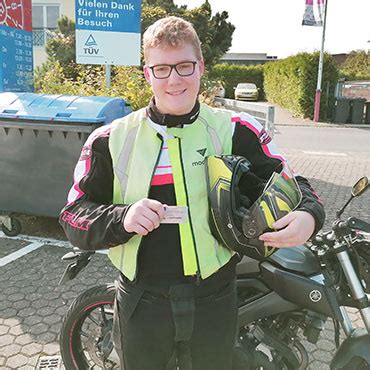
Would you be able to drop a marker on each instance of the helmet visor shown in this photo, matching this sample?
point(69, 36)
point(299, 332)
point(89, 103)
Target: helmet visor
point(280, 196)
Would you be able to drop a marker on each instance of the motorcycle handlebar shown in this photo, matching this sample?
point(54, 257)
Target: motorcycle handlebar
point(357, 224)
point(324, 238)
point(341, 228)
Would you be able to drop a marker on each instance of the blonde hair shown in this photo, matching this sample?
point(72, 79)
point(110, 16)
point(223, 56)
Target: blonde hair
point(171, 32)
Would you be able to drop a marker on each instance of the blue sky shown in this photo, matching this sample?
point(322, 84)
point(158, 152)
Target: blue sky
point(274, 27)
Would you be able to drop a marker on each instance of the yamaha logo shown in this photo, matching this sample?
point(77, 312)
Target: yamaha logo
point(315, 296)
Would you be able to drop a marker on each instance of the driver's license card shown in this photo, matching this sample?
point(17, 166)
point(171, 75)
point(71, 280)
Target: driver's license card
point(175, 215)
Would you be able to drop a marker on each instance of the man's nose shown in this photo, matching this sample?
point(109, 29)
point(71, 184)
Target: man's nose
point(174, 76)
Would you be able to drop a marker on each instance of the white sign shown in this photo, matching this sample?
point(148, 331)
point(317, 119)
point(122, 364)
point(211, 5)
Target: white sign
point(108, 32)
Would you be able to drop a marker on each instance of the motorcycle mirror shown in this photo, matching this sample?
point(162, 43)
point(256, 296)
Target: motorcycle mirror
point(360, 186)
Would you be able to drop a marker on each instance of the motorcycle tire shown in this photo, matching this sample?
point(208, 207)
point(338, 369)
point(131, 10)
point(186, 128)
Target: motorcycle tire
point(86, 329)
point(358, 364)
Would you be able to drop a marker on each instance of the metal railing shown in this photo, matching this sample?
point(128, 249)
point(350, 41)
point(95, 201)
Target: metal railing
point(263, 112)
point(42, 35)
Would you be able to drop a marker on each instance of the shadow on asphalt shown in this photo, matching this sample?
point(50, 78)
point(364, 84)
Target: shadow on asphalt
point(44, 227)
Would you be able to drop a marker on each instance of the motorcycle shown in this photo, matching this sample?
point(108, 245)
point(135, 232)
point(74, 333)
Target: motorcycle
point(281, 299)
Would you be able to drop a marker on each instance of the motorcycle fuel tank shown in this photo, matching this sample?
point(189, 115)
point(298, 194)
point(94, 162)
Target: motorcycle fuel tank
point(306, 292)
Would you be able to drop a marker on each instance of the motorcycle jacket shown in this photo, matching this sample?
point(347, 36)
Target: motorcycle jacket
point(93, 217)
point(201, 252)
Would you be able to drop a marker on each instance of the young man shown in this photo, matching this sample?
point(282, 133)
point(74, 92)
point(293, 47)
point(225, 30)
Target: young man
point(176, 295)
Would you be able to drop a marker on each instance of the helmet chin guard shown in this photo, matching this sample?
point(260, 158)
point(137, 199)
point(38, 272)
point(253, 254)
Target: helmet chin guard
point(243, 206)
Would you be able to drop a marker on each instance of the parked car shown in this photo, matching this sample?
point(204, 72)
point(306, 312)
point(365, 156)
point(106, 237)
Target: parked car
point(246, 91)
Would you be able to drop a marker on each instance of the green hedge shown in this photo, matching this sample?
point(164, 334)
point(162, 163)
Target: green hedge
point(356, 66)
point(126, 82)
point(291, 83)
point(360, 76)
point(232, 74)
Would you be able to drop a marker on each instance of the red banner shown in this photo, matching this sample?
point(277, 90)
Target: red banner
point(16, 14)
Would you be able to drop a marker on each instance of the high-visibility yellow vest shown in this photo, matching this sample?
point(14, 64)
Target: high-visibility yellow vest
point(135, 147)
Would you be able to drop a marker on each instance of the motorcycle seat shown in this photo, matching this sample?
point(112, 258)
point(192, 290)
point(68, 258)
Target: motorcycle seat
point(299, 259)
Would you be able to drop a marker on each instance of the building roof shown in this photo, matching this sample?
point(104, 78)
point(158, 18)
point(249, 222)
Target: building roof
point(340, 58)
point(247, 56)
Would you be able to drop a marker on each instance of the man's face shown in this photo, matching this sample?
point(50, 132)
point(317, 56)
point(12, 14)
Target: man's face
point(175, 94)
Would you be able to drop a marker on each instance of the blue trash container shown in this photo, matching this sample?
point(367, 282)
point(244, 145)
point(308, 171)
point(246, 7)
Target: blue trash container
point(41, 137)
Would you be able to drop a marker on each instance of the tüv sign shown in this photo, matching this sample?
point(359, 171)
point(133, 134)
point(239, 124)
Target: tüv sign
point(108, 32)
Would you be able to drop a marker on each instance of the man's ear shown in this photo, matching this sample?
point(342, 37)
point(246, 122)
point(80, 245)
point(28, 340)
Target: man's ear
point(147, 74)
point(201, 66)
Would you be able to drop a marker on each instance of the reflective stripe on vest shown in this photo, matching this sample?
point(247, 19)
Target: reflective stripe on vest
point(186, 234)
point(134, 164)
point(120, 169)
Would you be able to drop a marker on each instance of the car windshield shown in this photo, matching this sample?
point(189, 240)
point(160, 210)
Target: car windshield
point(247, 86)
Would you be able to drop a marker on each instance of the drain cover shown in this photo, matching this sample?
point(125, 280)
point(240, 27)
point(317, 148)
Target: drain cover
point(49, 363)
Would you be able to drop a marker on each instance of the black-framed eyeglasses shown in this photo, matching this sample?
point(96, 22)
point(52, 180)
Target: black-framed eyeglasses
point(183, 69)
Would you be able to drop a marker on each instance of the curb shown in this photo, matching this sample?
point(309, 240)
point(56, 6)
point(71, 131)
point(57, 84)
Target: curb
point(322, 124)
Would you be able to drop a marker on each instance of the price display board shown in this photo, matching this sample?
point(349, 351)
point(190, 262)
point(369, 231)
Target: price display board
point(16, 58)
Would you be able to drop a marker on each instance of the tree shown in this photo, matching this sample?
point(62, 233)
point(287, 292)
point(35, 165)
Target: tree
point(357, 65)
point(168, 5)
point(61, 46)
point(215, 32)
point(61, 74)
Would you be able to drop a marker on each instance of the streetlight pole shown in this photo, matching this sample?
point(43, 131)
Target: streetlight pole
point(316, 114)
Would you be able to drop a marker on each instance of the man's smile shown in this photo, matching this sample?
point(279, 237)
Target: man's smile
point(176, 93)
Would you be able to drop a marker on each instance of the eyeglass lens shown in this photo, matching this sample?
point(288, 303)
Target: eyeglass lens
point(183, 69)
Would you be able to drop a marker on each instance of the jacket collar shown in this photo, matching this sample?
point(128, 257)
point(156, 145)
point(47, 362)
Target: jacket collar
point(172, 120)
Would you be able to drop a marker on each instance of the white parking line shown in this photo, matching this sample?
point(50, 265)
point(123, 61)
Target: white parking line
point(36, 242)
point(333, 154)
point(20, 253)
point(58, 243)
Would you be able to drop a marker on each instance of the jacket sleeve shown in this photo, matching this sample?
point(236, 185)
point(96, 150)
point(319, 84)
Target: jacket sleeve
point(251, 141)
point(90, 220)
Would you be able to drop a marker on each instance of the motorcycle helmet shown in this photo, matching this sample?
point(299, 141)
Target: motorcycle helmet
point(244, 206)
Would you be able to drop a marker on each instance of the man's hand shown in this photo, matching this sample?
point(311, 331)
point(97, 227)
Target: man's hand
point(143, 216)
point(296, 226)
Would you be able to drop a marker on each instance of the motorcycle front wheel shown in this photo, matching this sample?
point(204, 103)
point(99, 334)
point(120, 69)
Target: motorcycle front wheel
point(85, 337)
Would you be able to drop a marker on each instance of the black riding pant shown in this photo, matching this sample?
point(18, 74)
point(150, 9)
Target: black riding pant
point(186, 326)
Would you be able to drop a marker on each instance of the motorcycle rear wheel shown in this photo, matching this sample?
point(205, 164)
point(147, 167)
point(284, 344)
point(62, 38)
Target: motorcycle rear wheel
point(85, 337)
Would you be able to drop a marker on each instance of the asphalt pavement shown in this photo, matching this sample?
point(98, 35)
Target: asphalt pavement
point(32, 304)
